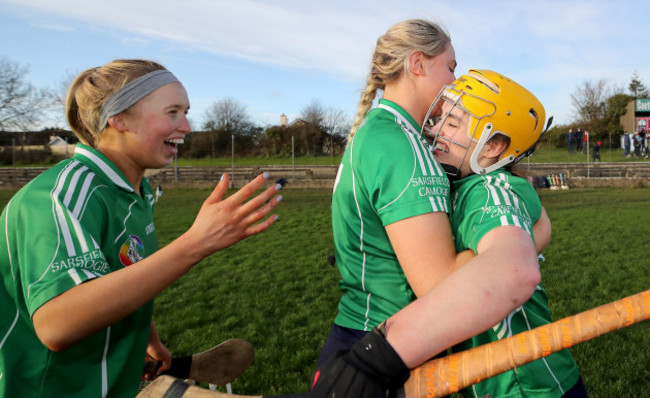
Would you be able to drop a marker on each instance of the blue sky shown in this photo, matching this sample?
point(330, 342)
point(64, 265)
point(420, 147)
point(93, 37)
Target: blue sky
point(278, 56)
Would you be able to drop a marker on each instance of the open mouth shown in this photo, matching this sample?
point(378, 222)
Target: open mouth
point(174, 141)
point(441, 148)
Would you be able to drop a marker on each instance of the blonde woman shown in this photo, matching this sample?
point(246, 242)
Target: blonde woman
point(390, 213)
point(80, 260)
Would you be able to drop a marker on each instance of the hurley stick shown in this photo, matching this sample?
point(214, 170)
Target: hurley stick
point(441, 377)
point(166, 386)
point(219, 365)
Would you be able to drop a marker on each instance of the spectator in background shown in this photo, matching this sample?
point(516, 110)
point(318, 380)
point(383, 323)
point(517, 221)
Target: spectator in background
point(569, 140)
point(625, 144)
point(642, 134)
point(638, 140)
point(595, 153)
point(579, 136)
point(646, 141)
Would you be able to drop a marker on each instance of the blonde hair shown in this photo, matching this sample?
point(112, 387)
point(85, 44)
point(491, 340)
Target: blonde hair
point(91, 88)
point(390, 58)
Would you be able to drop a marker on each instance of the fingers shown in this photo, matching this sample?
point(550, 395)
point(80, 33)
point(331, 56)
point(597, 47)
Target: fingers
point(238, 213)
point(247, 190)
point(166, 364)
point(260, 214)
point(248, 208)
point(150, 368)
point(261, 199)
point(219, 190)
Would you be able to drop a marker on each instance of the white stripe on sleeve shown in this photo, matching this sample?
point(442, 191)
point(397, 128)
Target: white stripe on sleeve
point(434, 205)
point(75, 277)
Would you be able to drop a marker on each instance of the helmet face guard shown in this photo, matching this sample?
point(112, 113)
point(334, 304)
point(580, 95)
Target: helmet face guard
point(486, 104)
point(457, 121)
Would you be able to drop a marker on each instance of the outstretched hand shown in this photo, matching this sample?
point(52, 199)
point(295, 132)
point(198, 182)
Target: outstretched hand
point(223, 222)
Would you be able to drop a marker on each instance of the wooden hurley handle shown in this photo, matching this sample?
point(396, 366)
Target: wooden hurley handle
point(168, 386)
point(441, 377)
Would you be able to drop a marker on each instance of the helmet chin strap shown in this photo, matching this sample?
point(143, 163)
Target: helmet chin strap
point(473, 159)
point(453, 172)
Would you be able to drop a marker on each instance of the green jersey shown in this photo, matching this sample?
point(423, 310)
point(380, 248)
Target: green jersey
point(482, 203)
point(387, 174)
point(78, 221)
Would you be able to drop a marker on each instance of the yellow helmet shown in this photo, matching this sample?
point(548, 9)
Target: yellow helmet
point(496, 105)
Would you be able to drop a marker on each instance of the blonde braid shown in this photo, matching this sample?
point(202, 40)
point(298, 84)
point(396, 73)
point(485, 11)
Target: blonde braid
point(365, 103)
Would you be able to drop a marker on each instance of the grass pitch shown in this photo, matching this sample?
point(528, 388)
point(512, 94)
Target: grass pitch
point(277, 290)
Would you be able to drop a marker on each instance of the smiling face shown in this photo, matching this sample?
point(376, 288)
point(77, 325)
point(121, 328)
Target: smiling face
point(148, 134)
point(157, 124)
point(452, 142)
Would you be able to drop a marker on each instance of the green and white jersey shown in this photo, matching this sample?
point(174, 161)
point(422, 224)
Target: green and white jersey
point(387, 174)
point(78, 221)
point(480, 204)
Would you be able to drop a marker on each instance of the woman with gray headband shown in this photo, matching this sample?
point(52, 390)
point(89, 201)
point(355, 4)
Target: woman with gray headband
point(80, 260)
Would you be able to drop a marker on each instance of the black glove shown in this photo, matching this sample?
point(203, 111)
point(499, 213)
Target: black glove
point(180, 367)
point(368, 370)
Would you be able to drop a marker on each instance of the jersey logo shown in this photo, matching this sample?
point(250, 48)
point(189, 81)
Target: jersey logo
point(131, 251)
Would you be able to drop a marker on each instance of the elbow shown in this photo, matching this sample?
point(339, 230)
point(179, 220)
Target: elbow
point(52, 340)
point(56, 346)
point(52, 337)
point(524, 275)
point(528, 277)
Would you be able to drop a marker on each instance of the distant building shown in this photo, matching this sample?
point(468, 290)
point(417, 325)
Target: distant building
point(283, 120)
point(60, 146)
point(58, 142)
point(637, 115)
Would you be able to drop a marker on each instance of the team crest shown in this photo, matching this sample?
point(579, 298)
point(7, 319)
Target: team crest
point(131, 251)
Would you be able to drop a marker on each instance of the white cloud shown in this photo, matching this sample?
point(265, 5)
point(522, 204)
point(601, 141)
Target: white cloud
point(549, 46)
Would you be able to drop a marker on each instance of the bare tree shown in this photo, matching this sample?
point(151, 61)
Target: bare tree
point(21, 104)
point(332, 120)
point(311, 134)
point(59, 95)
point(224, 121)
point(325, 129)
point(314, 113)
point(337, 122)
point(590, 101)
point(229, 116)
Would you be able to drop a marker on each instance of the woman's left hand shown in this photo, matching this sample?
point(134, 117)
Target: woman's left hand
point(156, 352)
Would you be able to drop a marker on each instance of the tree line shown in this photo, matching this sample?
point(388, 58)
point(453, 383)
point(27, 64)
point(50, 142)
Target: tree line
point(597, 108)
point(319, 130)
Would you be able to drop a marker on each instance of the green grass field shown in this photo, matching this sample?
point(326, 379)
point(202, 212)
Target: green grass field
point(543, 154)
point(277, 290)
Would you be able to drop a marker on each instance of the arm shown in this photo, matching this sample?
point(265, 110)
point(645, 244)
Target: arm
point(542, 231)
point(425, 249)
point(84, 309)
point(463, 257)
point(502, 277)
point(485, 290)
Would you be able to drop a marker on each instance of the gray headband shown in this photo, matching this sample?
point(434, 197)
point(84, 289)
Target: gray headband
point(133, 92)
